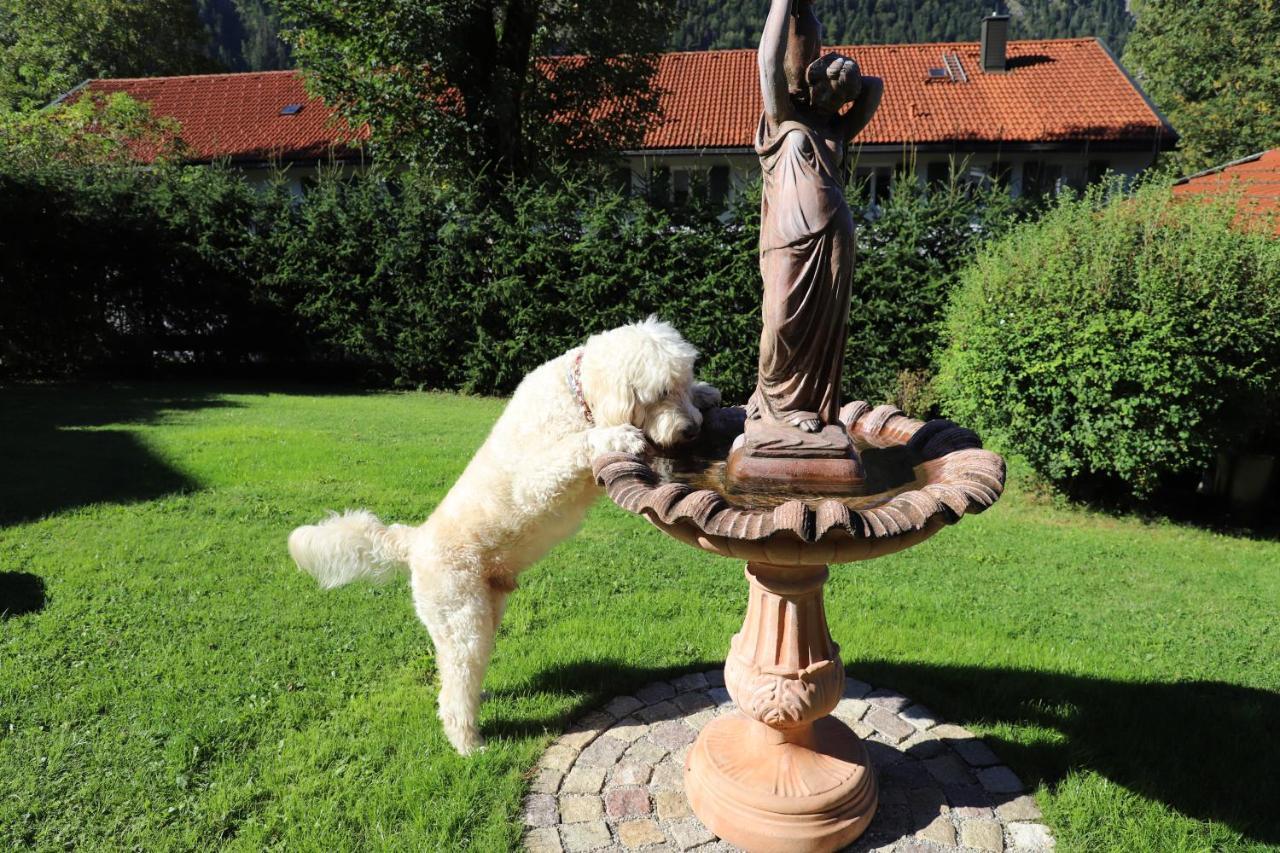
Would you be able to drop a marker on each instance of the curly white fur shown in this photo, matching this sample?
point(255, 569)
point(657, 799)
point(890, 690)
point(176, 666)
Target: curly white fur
point(527, 488)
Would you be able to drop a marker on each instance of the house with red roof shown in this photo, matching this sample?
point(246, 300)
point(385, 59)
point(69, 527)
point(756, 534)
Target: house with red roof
point(1254, 182)
point(1032, 115)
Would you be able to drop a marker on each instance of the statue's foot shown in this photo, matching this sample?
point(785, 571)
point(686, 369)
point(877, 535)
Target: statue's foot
point(810, 425)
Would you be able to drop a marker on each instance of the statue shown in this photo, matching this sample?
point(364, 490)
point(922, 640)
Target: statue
point(806, 252)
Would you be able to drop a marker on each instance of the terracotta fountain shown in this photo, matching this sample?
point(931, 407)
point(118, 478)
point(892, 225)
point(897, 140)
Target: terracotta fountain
point(793, 482)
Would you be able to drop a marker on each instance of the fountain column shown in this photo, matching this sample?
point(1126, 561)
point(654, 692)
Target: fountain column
point(780, 774)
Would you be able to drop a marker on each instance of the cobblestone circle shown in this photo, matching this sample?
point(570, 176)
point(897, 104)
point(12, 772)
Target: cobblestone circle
point(615, 780)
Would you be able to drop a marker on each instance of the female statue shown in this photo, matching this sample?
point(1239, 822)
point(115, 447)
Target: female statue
point(806, 229)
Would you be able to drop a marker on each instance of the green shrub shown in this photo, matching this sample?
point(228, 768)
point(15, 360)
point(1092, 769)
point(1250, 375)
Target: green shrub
point(1118, 341)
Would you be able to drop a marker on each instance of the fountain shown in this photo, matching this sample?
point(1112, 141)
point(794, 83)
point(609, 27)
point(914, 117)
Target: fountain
point(793, 482)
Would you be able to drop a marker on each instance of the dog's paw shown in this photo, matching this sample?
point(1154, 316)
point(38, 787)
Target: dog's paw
point(617, 439)
point(704, 396)
point(464, 738)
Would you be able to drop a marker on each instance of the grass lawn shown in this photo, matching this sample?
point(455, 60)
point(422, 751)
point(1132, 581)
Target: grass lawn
point(168, 680)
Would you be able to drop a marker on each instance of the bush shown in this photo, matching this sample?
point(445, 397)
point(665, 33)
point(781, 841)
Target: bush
point(408, 282)
point(1117, 342)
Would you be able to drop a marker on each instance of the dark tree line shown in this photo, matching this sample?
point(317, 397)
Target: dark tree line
point(733, 23)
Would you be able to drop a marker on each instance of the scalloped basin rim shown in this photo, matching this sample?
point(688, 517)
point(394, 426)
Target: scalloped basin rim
point(959, 477)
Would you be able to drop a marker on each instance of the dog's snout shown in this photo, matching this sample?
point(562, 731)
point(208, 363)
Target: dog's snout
point(690, 432)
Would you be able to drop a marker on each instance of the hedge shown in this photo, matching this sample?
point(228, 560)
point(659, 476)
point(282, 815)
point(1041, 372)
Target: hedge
point(113, 270)
point(1120, 340)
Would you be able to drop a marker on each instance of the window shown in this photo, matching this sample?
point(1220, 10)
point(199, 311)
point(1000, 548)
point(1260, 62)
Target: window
point(718, 188)
point(1098, 169)
point(938, 173)
point(1040, 178)
point(680, 186)
point(622, 179)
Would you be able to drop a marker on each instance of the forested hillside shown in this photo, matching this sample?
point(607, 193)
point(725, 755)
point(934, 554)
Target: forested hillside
point(244, 34)
point(737, 23)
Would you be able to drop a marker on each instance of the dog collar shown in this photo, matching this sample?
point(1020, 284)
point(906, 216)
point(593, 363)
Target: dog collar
point(574, 377)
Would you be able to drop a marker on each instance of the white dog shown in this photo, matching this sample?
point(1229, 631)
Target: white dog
point(527, 489)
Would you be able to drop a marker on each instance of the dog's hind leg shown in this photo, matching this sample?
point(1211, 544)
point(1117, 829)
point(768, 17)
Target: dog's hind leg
point(459, 614)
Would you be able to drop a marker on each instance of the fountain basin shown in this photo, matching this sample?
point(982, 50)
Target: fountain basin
point(919, 477)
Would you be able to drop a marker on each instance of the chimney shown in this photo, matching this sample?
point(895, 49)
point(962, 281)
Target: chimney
point(995, 37)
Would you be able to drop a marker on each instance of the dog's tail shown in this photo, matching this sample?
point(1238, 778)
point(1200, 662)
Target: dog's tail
point(349, 547)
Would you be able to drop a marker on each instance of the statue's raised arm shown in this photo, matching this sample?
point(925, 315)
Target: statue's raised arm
point(772, 58)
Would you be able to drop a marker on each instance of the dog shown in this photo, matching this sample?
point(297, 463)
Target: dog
point(527, 489)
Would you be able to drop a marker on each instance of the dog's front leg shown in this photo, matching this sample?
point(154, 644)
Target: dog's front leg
point(559, 469)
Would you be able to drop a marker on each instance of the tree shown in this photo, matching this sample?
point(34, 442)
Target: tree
point(459, 84)
point(245, 34)
point(91, 130)
point(48, 46)
point(1214, 69)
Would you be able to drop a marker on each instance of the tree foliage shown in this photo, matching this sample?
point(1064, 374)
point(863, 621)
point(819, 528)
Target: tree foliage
point(48, 46)
point(245, 34)
point(732, 23)
point(1118, 342)
point(1214, 69)
point(454, 83)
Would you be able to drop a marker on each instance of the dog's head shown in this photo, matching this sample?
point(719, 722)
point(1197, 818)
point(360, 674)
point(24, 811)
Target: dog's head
point(642, 374)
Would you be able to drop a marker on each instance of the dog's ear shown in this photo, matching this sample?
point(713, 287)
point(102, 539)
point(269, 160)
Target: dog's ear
point(607, 389)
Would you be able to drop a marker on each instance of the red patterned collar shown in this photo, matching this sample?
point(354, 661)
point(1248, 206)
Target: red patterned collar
point(574, 378)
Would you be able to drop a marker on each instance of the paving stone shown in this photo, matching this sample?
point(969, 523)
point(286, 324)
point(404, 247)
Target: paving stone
point(577, 808)
point(581, 837)
point(631, 773)
point(1019, 808)
point(889, 699)
point(604, 752)
point(627, 730)
point(689, 681)
point(919, 716)
point(968, 800)
point(699, 720)
point(855, 689)
point(658, 712)
point(693, 701)
point(626, 801)
point(547, 781)
point(623, 790)
point(975, 752)
point(655, 692)
point(1033, 835)
point(850, 710)
point(940, 831)
point(668, 775)
point(640, 833)
point(982, 834)
point(672, 734)
point(671, 805)
point(540, 810)
point(949, 770)
point(689, 833)
point(583, 780)
point(545, 840)
point(921, 745)
point(645, 751)
point(889, 724)
point(999, 780)
point(950, 732)
point(621, 706)
point(558, 757)
point(715, 677)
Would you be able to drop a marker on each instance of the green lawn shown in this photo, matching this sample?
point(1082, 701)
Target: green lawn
point(177, 684)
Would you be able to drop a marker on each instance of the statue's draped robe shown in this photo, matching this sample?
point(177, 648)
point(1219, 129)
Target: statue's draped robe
point(806, 260)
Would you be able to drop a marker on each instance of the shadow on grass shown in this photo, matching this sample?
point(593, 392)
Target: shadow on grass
point(20, 593)
point(56, 457)
point(1207, 749)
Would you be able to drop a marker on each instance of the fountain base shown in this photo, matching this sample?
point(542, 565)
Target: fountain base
point(810, 789)
point(778, 458)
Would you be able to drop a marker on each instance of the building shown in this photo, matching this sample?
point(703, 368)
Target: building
point(1031, 115)
point(1255, 180)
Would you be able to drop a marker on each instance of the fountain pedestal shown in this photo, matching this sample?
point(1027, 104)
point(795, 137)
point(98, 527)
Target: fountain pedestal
point(782, 775)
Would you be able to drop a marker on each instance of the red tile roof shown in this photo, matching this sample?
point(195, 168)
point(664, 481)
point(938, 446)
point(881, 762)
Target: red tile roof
point(1256, 179)
point(237, 116)
point(1058, 90)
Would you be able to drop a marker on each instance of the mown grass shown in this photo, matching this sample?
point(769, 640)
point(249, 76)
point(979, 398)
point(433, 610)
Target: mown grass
point(168, 680)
